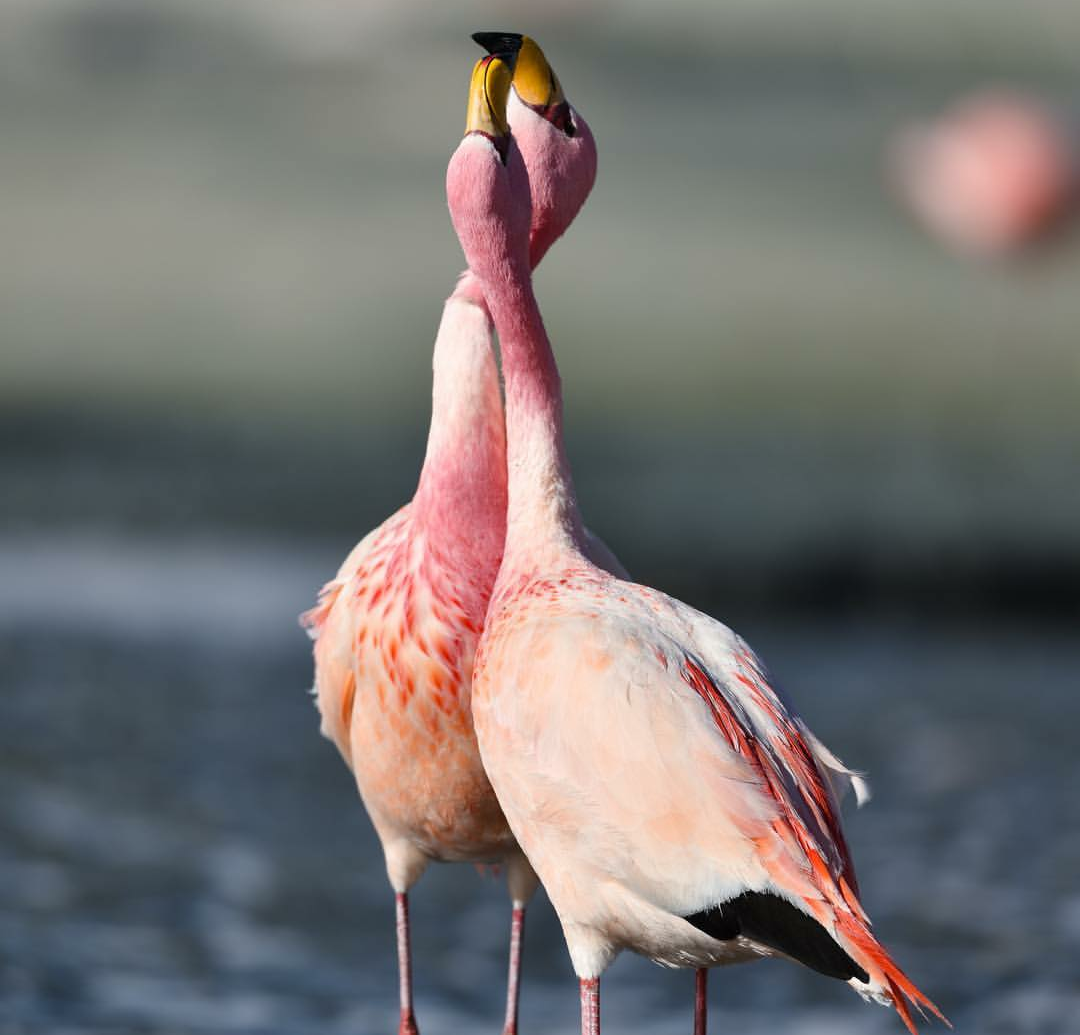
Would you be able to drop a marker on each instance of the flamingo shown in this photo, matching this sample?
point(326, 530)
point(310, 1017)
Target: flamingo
point(994, 174)
point(668, 796)
point(396, 629)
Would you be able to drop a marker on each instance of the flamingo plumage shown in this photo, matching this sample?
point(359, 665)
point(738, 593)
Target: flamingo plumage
point(396, 629)
point(668, 796)
point(994, 174)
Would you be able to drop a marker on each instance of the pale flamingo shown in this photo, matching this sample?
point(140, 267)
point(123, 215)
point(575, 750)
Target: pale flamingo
point(669, 798)
point(397, 628)
point(995, 173)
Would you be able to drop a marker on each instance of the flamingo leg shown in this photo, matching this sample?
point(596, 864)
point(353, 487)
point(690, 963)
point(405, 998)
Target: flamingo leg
point(701, 1003)
point(517, 930)
point(404, 954)
point(590, 1006)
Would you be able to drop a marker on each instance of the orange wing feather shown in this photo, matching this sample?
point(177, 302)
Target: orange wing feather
point(808, 821)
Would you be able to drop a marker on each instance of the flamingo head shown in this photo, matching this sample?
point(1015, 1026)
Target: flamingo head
point(487, 185)
point(555, 141)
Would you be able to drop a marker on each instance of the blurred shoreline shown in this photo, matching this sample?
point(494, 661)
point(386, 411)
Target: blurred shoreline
point(743, 522)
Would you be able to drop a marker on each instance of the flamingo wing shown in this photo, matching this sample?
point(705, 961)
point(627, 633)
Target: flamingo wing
point(335, 621)
point(812, 910)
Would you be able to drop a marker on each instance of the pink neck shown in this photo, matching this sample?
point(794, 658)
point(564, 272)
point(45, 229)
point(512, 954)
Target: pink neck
point(542, 508)
point(462, 492)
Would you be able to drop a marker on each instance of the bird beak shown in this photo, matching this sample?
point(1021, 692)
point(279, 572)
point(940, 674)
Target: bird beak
point(534, 79)
point(486, 111)
point(504, 45)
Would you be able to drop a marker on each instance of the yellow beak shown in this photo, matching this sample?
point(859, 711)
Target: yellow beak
point(534, 79)
point(535, 82)
point(488, 93)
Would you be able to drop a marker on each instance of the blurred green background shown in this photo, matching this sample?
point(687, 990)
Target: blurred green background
point(225, 250)
point(230, 218)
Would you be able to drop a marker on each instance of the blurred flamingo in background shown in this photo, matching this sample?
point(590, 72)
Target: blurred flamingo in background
point(396, 629)
point(994, 174)
point(668, 797)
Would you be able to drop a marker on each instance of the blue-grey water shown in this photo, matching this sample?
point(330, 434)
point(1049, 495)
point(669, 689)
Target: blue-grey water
point(181, 852)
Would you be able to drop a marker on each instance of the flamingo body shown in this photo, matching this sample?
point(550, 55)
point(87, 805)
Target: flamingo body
point(420, 614)
point(643, 739)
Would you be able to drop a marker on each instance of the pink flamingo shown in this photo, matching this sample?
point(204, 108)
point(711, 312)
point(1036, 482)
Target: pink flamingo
point(993, 175)
point(396, 629)
point(668, 797)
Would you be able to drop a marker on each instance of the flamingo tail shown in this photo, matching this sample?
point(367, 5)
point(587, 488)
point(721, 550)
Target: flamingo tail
point(888, 983)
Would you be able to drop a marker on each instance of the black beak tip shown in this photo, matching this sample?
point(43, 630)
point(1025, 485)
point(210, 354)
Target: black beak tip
point(502, 44)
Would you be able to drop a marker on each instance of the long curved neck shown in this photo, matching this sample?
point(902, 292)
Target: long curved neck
point(542, 512)
point(462, 490)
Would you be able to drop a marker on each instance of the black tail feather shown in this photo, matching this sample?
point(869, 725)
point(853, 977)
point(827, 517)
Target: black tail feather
point(773, 921)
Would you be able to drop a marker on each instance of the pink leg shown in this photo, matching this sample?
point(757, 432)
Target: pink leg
point(517, 928)
point(404, 958)
point(701, 1003)
point(590, 1006)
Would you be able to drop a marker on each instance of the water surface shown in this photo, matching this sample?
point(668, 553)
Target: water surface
point(181, 852)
